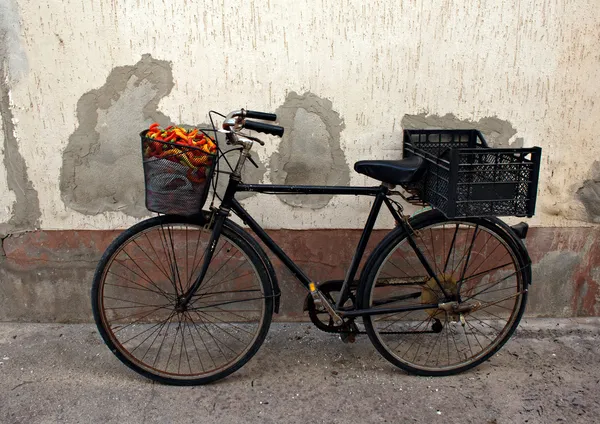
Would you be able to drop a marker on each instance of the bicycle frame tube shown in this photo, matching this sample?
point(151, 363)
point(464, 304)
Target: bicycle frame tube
point(362, 245)
point(219, 219)
point(307, 189)
point(413, 244)
point(229, 203)
point(270, 243)
point(380, 193)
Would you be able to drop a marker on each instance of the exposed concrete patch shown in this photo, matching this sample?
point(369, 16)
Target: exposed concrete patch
point(26, 208)
point(102, 164)
point(589, 194)
point(497, 132)
point(13, 58)
point(2, 252)
point(552, 284)
point(13, 63)
point(310, 151)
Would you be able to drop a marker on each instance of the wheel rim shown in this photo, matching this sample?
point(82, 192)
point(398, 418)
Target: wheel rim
point(475, 266)
point(138, 298)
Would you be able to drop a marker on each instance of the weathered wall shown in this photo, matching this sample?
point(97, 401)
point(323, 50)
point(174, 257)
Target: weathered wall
point(525, 71)
point(80, 79)
point(50, 272)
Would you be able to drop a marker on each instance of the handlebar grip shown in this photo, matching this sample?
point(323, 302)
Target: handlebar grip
point(261, 115)
point(264, 128)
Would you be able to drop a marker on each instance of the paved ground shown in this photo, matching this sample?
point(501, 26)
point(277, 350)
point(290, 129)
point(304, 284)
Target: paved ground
point(550, 372)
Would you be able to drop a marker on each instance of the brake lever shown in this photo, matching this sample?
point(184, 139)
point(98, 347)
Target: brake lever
point(249, 137)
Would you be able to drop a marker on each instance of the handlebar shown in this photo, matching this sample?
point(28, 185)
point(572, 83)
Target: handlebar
point(263, 116)
point(264, 128)
point(236, 120)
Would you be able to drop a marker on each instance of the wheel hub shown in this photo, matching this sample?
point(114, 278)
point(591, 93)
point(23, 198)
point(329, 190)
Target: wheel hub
point(180, 306)
point(431, 292)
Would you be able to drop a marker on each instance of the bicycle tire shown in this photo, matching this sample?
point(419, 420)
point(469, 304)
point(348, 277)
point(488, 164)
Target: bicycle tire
point(389, 245)
point(235, 239)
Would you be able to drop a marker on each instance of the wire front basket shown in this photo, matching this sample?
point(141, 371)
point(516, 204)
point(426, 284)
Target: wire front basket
point(177, 177)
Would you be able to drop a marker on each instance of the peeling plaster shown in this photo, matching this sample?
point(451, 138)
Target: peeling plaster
point(102, 164)
point(310, 151)
point(552, 283)
point(13, 63)
point(589, 194)
point(12, 54)
point(497, 132)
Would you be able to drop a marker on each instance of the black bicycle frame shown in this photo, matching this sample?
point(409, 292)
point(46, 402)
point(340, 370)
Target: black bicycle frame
point(229, 203)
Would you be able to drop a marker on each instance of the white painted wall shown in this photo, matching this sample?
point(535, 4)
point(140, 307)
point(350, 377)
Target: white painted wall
point(534, 63)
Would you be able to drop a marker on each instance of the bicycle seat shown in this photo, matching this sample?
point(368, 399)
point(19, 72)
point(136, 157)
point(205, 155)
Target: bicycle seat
point(392, 171)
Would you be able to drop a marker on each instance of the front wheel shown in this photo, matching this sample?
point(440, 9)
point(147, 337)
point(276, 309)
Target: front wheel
point(481, 272)
point(140, 280)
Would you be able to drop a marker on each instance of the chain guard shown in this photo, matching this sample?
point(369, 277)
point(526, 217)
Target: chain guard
point(348, 329)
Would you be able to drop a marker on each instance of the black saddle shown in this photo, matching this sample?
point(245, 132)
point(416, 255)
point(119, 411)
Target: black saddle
point(392, 171)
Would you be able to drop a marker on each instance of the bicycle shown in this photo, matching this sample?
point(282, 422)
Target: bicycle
point(437, 296)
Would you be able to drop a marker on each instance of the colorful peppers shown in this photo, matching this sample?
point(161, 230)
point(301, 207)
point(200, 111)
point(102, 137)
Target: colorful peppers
point(191, 148)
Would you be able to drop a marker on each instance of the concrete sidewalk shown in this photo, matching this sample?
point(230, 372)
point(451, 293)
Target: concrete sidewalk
point(549, 372)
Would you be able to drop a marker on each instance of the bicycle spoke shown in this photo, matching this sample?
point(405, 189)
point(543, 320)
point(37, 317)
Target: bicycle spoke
point(244, 290)
point(151, 260)
point(138, 297)
point(210, 318)
point(225, 303)
point(451, 250)
point(165, 244)
point(176, 275)
point(195, 347)
point(490, 255)
point(139, 334)
point(474, 263)
point(437, 339)
point(194, 264)
point(157, 335)
point(145, 279)
point(163, 341)
point(216, 284)
point(173, 345)
point(228, 311)
point(134, 302)
point(186, 261)
point(142, 288)
point(462, 275)
point(492, 285)
point(215, 339)
point(136, 321)
point(463, 255)
point(201, 338)
point(496, 268)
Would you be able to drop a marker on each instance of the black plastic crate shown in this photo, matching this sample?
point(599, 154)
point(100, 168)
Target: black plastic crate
point(467, 178)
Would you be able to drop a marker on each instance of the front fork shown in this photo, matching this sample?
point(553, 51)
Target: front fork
point(218, 218)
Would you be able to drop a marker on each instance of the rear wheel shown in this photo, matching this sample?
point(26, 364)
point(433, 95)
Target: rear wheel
point(135, 296)
point(482, 275)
